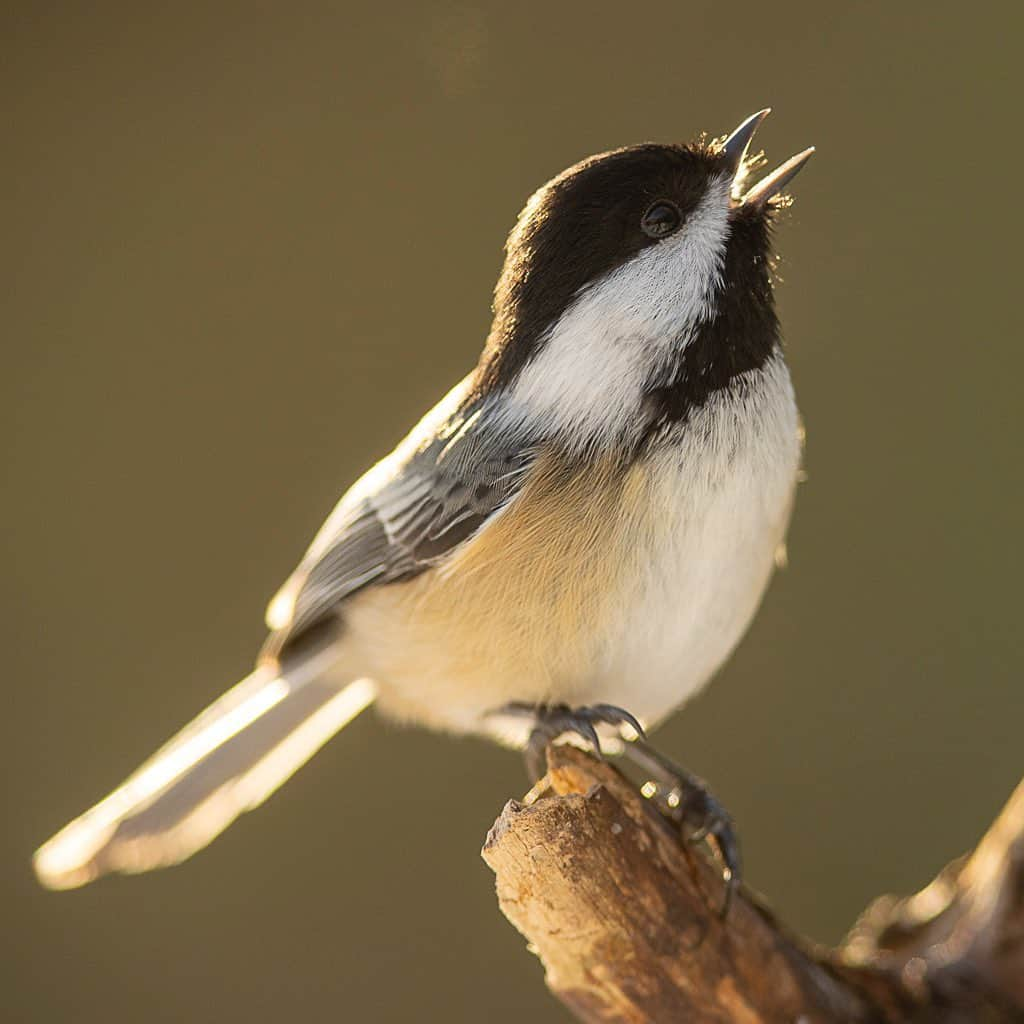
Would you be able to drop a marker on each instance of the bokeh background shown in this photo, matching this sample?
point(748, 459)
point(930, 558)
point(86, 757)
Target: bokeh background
point(246, 245)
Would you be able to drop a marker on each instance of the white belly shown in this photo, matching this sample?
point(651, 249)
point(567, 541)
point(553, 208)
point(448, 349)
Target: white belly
point(702, 591)
point(728, 506)
point(656, 598)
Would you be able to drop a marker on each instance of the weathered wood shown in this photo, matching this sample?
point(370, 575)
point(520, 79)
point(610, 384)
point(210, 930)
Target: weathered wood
point(957, 945)
point(625, 919)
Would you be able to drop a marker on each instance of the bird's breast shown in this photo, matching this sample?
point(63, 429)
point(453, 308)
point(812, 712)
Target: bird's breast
point(607, 581)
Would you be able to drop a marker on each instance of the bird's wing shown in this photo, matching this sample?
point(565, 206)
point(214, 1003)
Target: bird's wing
point(454, 471)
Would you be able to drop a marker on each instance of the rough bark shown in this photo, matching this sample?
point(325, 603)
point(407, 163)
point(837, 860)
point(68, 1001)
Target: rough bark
point(625, 919)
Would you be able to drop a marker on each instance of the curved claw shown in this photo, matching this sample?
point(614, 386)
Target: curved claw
point(611, 715)
point(712, 822)
point(553, 721)
point(585, 727)
point(722, 838)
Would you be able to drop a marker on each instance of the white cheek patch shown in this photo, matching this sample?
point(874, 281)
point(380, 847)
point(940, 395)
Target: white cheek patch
point(589, 376)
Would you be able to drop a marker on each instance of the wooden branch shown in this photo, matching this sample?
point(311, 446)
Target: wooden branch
point(625, 919)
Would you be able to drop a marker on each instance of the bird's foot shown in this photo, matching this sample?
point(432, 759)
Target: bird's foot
point(686, 800)
point(552, 721)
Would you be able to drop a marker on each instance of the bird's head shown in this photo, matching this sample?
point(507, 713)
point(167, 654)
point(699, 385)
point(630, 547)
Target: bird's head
point(631, 268)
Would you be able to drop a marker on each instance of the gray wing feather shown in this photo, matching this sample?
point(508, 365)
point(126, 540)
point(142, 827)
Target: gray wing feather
point(436, 490)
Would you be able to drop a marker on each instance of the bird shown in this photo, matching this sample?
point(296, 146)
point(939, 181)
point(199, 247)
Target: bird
point(567, 546)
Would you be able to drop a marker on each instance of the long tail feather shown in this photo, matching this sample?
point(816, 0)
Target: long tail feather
point(225, 762)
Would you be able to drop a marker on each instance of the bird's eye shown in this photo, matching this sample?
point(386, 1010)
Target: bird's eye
point(661, 219)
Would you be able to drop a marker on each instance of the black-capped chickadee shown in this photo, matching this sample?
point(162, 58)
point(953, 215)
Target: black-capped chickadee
point(584, 525)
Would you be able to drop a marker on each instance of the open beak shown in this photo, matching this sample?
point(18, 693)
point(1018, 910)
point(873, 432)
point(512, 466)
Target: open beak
point(734, 149)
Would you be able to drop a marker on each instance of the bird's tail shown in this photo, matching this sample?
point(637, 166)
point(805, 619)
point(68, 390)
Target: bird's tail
point(225, 762)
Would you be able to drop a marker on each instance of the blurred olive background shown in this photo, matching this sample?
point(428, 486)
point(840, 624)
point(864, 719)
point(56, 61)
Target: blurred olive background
point(245, 246)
